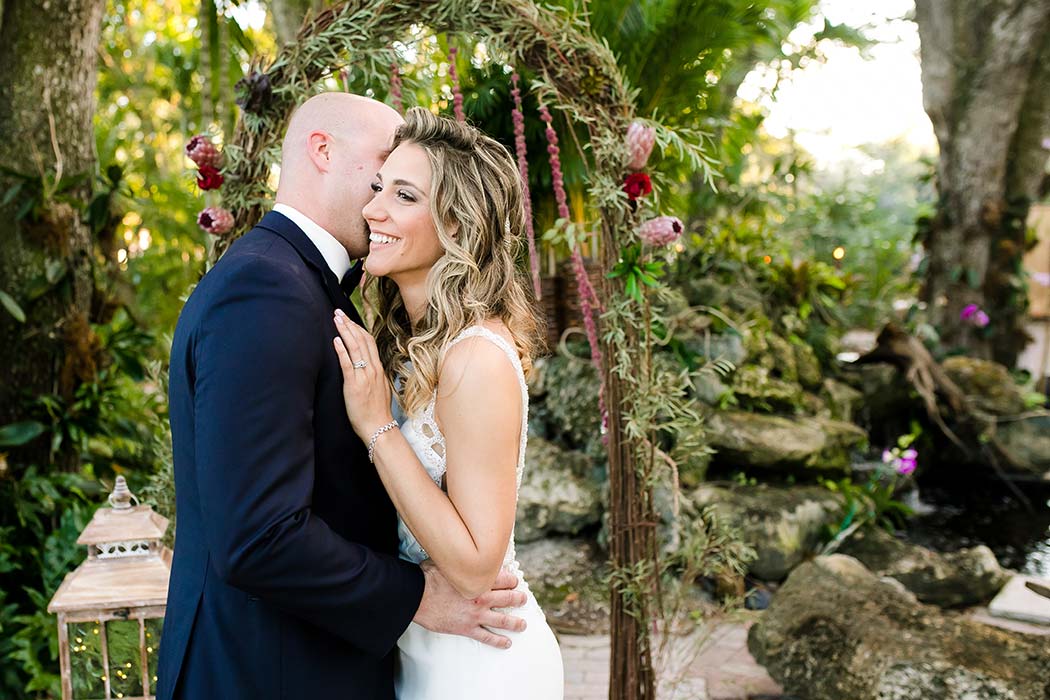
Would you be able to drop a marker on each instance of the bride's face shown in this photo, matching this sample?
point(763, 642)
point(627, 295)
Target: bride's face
point(403, 243)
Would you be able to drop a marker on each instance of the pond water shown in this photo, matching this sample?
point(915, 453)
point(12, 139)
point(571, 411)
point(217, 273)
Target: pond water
point(987, 514)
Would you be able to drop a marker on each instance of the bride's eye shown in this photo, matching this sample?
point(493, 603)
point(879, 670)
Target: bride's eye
point(376, 187)
point(405, 195)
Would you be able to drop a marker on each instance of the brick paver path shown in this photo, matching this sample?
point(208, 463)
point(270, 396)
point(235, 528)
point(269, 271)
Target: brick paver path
point(722, 670)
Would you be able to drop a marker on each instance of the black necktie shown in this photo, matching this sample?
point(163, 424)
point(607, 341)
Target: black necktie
point(352, 278)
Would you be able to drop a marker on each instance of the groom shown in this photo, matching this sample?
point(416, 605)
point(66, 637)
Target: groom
point(285, 581)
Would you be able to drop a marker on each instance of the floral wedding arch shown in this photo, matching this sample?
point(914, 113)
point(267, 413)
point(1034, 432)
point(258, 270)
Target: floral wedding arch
point(577, 75)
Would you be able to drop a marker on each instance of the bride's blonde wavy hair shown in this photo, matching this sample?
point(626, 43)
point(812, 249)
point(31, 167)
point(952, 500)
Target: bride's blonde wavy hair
point(477, 204)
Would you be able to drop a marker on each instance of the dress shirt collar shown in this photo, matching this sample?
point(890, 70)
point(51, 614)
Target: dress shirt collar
point(331, 250)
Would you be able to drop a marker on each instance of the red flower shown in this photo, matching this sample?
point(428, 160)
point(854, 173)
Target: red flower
point(637, 185)
point(209, 178)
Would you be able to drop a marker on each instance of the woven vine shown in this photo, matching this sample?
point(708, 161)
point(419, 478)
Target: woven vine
point(576, 75)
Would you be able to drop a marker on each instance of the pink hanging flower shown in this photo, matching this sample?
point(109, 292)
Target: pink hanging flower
point(640, 140)
point(215, 220)
point(661, 231)
point(457, 94)
point(208, 178)
point(518, 117)
point(395, 87)
point(202, 151)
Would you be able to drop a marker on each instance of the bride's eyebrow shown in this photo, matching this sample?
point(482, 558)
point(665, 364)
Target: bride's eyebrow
point(399, 181)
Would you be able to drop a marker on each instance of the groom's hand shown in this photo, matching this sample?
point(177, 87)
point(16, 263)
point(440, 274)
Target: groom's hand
point(443, 609)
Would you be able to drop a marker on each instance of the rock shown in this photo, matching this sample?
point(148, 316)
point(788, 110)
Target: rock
point(966, 577)
point(784, 525)
point(988, 384)
point(813, 405)
point(758, 598)
point(842, 399)
point(710, 388)
point(756, 346)
point(566, 576)
point(718, 346)
point(858, 340)
point(809, 374)
point(773, 442)
point(569, 411)
point(557, 494)
point(783, 352)
point(835, 631)
point(757, 388)
point(1028, 441)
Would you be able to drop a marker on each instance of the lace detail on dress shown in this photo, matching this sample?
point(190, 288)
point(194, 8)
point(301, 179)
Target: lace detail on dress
point(422, 433)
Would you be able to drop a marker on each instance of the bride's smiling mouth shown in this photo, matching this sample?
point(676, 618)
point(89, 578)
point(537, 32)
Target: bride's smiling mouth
point(381, 240)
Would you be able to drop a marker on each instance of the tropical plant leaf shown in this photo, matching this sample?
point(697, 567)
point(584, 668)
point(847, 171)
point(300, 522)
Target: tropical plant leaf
point(15, 434)
point(12, 307)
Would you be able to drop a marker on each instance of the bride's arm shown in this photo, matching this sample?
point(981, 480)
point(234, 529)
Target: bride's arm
point(478, 409)
point(466, 531)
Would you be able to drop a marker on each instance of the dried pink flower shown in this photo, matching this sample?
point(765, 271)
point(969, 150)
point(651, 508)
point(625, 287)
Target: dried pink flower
point(640, 140)
point(215, 220)
point(662, 230)
point(202, 151)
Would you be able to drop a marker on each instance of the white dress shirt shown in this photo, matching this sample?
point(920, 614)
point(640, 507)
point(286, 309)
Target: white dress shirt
point(331, 250)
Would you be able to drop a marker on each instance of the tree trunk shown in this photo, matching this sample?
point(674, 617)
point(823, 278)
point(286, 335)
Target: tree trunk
point(48, 72)
point(986, 88)
point(288, 16)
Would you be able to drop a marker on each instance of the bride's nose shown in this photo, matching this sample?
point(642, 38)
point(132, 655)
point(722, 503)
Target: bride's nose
point(374, 211)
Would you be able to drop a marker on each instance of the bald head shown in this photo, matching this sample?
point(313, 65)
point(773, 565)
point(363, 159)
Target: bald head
point(334, 145)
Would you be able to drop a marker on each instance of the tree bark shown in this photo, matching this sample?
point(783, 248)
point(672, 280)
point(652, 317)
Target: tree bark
point(986, 88)
point(48, 72)
point(288, 16)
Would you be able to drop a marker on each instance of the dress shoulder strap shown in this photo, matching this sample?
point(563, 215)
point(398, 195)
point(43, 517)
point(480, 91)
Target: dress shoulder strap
point(493, 337)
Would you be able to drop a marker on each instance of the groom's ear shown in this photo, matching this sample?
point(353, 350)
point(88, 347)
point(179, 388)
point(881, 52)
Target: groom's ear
point(319, 149)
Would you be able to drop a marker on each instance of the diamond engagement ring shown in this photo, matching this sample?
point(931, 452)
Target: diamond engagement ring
point(360, 364)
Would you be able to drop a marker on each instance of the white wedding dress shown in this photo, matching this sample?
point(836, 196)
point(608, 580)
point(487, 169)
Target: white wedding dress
point(436, 666)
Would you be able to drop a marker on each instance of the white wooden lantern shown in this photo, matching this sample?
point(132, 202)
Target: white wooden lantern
point(110, 608)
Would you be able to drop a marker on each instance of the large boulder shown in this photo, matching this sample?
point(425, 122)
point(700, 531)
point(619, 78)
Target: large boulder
point(783, 524)
point(843, 401)
point(567, 577)
point(568, 412)
point(757, 388)
point(1028, 441)
point(557, 493)
point(965, 577)
point(836, 631)
point(774, 442)
point(988, 384)
point(809, 373)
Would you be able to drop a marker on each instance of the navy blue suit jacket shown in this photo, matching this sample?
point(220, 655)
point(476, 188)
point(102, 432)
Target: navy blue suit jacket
point(285, 580)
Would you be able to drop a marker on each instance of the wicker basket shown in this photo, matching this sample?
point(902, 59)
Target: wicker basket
point(560, 304)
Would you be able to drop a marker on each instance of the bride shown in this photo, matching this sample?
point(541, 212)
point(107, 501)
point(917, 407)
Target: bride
point(455, 334)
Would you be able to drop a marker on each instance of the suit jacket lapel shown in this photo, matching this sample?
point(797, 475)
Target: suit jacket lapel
point(286, 229)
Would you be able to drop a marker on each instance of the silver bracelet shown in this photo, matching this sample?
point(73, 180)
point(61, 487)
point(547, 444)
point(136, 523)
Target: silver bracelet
point(375, 436)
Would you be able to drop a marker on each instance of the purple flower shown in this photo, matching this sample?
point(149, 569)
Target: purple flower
point(981, 319)
point(1046, 143)
point(968, 311)
point(887, 456)
point(906, 466)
